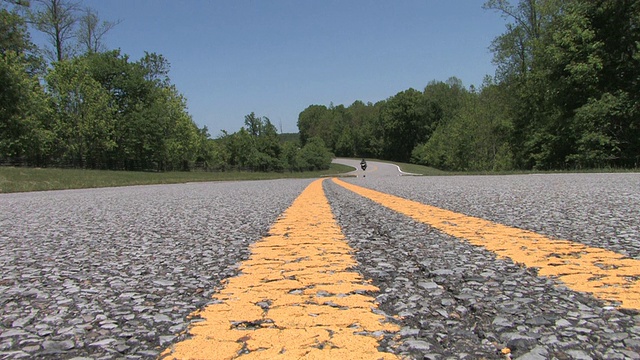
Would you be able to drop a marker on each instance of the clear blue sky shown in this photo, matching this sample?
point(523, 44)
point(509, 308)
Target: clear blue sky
point(276, 57)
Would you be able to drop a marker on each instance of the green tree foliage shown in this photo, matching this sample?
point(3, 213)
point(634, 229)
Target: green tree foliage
point(289, 155)
point(566, 96)
point(83, 128)
point(99, 110)
point(518, 60)
point(316, 121)
point(263, 144)
point(257, 147)
point(289, 137)
point(473, 137)
point(314, 155)
point(390, 129)
point(359, 136)
point(574, 102)
point(407, 119)
point(346, 131)
point(174, 143)
point(15, 38)
point(110, 113)
point(515, 49)
point(152, 129)
point(23, 136)
point(592, 64)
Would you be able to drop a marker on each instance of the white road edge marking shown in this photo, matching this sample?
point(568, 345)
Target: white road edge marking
point(406, 173)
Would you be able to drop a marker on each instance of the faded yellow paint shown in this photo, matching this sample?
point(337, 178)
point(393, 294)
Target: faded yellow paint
point(296, 297)
point(605, 274)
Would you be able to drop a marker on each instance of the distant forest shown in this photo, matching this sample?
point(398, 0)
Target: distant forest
point(565, 96)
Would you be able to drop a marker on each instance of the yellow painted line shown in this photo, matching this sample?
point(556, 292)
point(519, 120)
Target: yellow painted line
point(603, 273)
point(296, 297)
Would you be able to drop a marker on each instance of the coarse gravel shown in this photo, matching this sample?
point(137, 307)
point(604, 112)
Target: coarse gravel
point(114, 273)
point(458, 301)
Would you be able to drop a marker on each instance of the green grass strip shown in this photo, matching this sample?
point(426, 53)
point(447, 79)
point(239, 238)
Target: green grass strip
point(18, 179)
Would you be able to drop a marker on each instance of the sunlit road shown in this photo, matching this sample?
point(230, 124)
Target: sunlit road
point(382, 266)
point(374, 168)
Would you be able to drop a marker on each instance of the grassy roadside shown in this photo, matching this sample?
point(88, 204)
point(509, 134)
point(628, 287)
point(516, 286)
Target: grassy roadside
point(14, 179)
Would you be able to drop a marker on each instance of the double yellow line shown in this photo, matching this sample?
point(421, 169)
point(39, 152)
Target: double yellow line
point(298, 297)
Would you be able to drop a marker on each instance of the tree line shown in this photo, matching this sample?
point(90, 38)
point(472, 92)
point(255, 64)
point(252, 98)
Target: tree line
point(565, 96)
point(74, 103)
point(258, 146)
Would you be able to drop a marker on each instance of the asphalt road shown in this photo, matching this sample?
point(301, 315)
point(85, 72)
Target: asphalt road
point(374, 169)
point(115, 273)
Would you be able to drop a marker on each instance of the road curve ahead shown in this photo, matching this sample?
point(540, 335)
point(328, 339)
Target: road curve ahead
point(374, 169)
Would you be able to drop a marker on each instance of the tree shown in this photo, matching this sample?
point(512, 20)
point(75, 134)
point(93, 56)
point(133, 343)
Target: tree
point(255, 147)
point(592, 65)
point(152, 128)
point(537, 136)
point(314, 121)
point(57, 19)
point(363, 118)
point(253, 124)
point(288, 157)
point(448, 97)
point(475, 138)
point(408, 119)
point(263, 144)
point(24, 138)
point(515, 50)
point(183, 138)
point(13, 33)
point(314, 155)
point(568, 72)
point(345, 145)
point(83, 117)
point(91, 31)
point(132, 98)
point(15, 38)
point(156, 68)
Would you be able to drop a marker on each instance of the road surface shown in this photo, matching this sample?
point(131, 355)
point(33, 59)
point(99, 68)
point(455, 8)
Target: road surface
point(374, 168)
point(383, 266)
